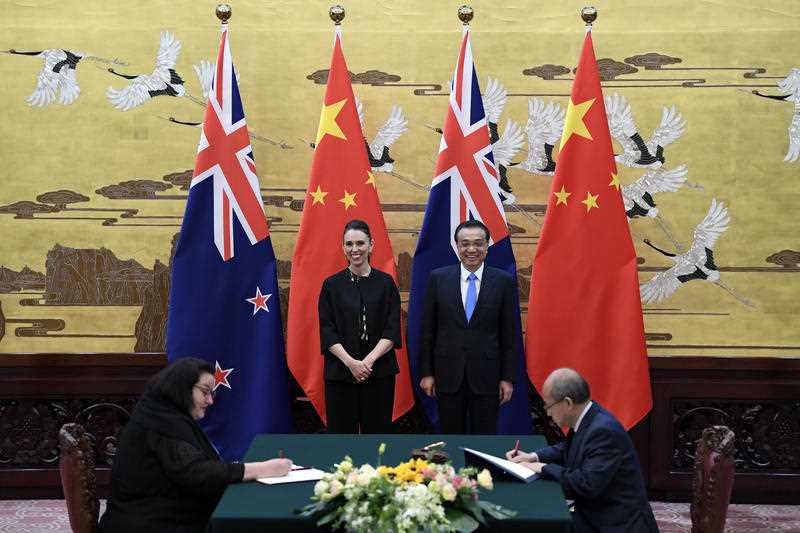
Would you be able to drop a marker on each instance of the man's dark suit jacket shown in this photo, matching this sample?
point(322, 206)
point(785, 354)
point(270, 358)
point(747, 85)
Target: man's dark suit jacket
point(597, 467)
point(483, 349)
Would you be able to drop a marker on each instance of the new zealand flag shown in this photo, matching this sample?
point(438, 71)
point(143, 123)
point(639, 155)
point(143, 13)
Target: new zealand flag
point(465, 187)
point(224, 304)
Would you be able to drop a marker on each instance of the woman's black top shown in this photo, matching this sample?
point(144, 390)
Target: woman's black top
point(346, 304)
point(167, 476)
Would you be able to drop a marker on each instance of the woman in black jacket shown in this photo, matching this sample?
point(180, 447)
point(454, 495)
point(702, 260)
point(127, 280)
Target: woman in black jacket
point(359, 327)
point(167, 476)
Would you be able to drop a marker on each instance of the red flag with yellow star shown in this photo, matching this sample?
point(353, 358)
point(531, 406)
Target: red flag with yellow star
point(584, 310)
point(341, 187)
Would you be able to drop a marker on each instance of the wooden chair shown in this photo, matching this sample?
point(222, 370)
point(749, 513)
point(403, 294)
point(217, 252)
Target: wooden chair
point(713, 479)
point(76, 465)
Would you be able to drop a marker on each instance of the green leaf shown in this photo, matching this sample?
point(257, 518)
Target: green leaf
point(328, 518)
point(497, 511)
point(311, 509)
point(461, 521)
point(473, 508)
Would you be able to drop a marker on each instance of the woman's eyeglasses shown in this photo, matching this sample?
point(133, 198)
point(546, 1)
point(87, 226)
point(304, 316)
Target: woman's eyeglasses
point(208, 393)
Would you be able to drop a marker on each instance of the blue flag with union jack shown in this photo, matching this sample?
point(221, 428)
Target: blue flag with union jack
point(466, 186)
point(224, 305)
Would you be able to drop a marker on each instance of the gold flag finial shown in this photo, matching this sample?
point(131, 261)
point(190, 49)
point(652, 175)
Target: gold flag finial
point(589, 14)
point(224, 12)
point(337, 14)
point(465, 14)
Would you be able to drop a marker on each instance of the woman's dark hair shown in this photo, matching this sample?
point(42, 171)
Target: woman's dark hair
point(174, 383)
point(358, 225)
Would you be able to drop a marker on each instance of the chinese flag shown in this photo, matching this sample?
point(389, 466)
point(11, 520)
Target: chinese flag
point(584, 310)
point(341, 187)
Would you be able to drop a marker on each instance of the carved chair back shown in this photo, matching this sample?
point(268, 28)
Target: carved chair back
point(76, 466)
point(713, 479)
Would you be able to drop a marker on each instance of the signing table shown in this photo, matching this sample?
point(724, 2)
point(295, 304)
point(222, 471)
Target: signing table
point(247, 507)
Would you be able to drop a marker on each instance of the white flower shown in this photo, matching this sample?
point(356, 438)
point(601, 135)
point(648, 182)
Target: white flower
point(345, 466)
point(335, 487)
point(320, 488)
point(366, 474)
point(448, 492)
point(485, 480)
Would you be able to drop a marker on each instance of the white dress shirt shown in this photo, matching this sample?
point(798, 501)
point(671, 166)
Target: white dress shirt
point(583, 413)
point(465, 283)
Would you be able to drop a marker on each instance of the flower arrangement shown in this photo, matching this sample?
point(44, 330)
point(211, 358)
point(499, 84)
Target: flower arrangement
point(416, 495)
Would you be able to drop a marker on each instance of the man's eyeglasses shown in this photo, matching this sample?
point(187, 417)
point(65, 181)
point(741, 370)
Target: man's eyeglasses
point(208, 393)
point(547, 407)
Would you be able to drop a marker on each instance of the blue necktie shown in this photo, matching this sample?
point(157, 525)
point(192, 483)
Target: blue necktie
point(472, 295)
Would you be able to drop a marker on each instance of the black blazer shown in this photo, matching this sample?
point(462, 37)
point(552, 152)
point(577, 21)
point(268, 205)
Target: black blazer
point(598, 468)
point(483, 349)
point(339, 309)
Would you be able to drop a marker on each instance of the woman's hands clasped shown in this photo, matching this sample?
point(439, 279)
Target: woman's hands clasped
point(360, 369)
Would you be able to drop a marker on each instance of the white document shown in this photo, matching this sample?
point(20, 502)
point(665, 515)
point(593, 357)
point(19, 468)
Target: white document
point(296, 474)
point(516, 470)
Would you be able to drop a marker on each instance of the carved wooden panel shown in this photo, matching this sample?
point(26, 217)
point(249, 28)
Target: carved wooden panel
point(756, 397)
point(29, 428)
point(767, 433)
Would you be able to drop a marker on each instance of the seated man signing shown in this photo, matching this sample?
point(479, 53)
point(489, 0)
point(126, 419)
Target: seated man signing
point(596, 465)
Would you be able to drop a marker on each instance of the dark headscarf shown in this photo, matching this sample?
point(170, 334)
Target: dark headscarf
point(166, 404)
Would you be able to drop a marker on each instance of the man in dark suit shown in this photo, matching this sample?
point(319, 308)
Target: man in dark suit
point(596, 466)
point(469, 336)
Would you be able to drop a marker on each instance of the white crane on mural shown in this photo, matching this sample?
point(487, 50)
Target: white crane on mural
point(637, 152)
point(637, 197)
point(789, 87)
point(544, 127)
point(507, 145)
point(697, 263)
point(378, 150)
point(57, 77)
point(164, 80)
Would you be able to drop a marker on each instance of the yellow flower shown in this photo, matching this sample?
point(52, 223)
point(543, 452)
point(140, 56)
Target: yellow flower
point(421, 464)
point(410, 471)
point(387, 471)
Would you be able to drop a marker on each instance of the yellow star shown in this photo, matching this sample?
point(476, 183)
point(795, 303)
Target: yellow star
point(562, 196)
point(573, 123)
point(319, 196)
point(349, 200)
point(370, 179)
point(614, 181)
point(591, 201)
point(327, 121)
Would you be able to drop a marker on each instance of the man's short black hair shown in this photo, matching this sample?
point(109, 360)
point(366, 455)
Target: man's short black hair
point(471, 224)
point(174, 383)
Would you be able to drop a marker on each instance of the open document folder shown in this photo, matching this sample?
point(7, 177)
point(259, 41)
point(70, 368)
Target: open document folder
point(498, 465)
point(296, 474)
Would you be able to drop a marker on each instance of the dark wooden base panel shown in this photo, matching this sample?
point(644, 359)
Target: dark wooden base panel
point(758, 398)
